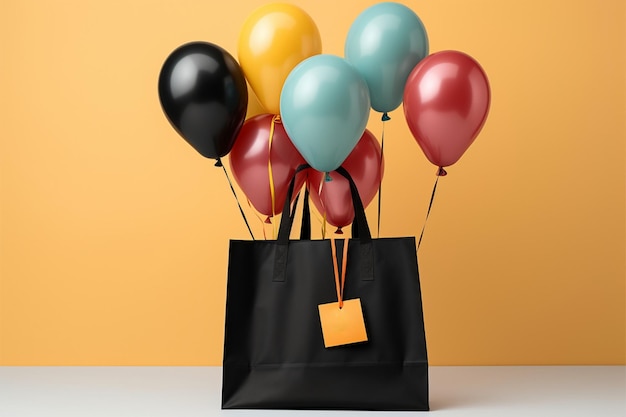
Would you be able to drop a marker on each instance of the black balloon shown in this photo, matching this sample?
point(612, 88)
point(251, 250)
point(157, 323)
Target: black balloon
point(204, 96)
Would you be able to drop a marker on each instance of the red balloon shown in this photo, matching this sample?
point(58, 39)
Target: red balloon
point(365, 165)
point(446, 101)
point(249, 163)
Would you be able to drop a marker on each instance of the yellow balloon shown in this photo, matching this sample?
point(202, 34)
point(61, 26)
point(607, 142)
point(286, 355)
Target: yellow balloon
point(273, 40)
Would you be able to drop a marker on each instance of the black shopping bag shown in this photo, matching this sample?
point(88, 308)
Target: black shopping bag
point(274, 353)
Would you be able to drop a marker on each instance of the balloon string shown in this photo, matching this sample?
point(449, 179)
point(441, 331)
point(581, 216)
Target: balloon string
point(380, 184)
point(432, 197)
point(275, 119)
point(258, 217)
point(318, 217)
point(322, 221)
point(235, 195)
point(319, 192)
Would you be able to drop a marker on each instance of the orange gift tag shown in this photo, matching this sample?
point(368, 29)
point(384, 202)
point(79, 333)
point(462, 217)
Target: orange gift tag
point(342, 326)
point(342, 322)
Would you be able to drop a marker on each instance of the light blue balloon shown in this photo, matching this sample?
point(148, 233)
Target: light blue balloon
point(324, 107)
point(384, 44)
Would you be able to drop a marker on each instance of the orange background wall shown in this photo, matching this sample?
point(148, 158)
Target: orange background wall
point(114, 232)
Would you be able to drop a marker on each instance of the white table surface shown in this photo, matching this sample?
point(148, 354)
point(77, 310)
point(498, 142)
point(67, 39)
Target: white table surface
point(195, 391)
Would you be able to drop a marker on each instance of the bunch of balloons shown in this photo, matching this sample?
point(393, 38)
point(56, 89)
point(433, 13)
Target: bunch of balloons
point(318, 105)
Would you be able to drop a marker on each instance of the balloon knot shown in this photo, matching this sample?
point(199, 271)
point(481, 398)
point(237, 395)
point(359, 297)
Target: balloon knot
point(328, 178)
point(385, 117)
point(277, 118)
point(339, 231)
point(268, 220)
point(218, 163)
point(442, 172)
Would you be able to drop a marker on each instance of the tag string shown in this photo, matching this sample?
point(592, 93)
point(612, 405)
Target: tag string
point(275, 119)
point(442, 172)
point(344, 262)
point(219, 163)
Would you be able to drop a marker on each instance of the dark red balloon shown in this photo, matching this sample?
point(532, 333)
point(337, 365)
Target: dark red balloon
point(249, 163)
point(446, 101)
point(366, 168)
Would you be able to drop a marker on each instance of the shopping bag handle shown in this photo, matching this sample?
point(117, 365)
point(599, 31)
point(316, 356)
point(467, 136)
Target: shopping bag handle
point(305, 228)
point(360, 228)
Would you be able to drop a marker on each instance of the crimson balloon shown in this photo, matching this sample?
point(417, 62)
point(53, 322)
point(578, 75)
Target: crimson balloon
point(446, 102)
point(365, 165)
point(250, 159)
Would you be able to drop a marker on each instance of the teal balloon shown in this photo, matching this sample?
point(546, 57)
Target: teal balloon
point(384, 43)
point(324, 107)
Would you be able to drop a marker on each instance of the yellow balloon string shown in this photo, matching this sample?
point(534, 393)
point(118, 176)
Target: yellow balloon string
point(258, 217)
point(317, 216)
point(275, 119)
point(321, 221)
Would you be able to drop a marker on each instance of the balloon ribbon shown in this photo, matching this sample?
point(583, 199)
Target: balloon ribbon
point(319, 192)
point(442, 172)
point(235, 195)
point(323, 219)
point(322, 222)
point(380, 185)
point(275, 119)
point(263, 222)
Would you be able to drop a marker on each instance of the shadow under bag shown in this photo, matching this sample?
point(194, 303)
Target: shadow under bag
point(274, 352)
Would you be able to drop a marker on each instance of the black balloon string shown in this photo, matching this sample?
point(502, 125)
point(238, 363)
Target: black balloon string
point(219, 164)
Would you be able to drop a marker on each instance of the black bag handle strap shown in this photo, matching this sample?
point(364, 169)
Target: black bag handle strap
point(286, 222)
point(360, 230)
point(305, 229)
